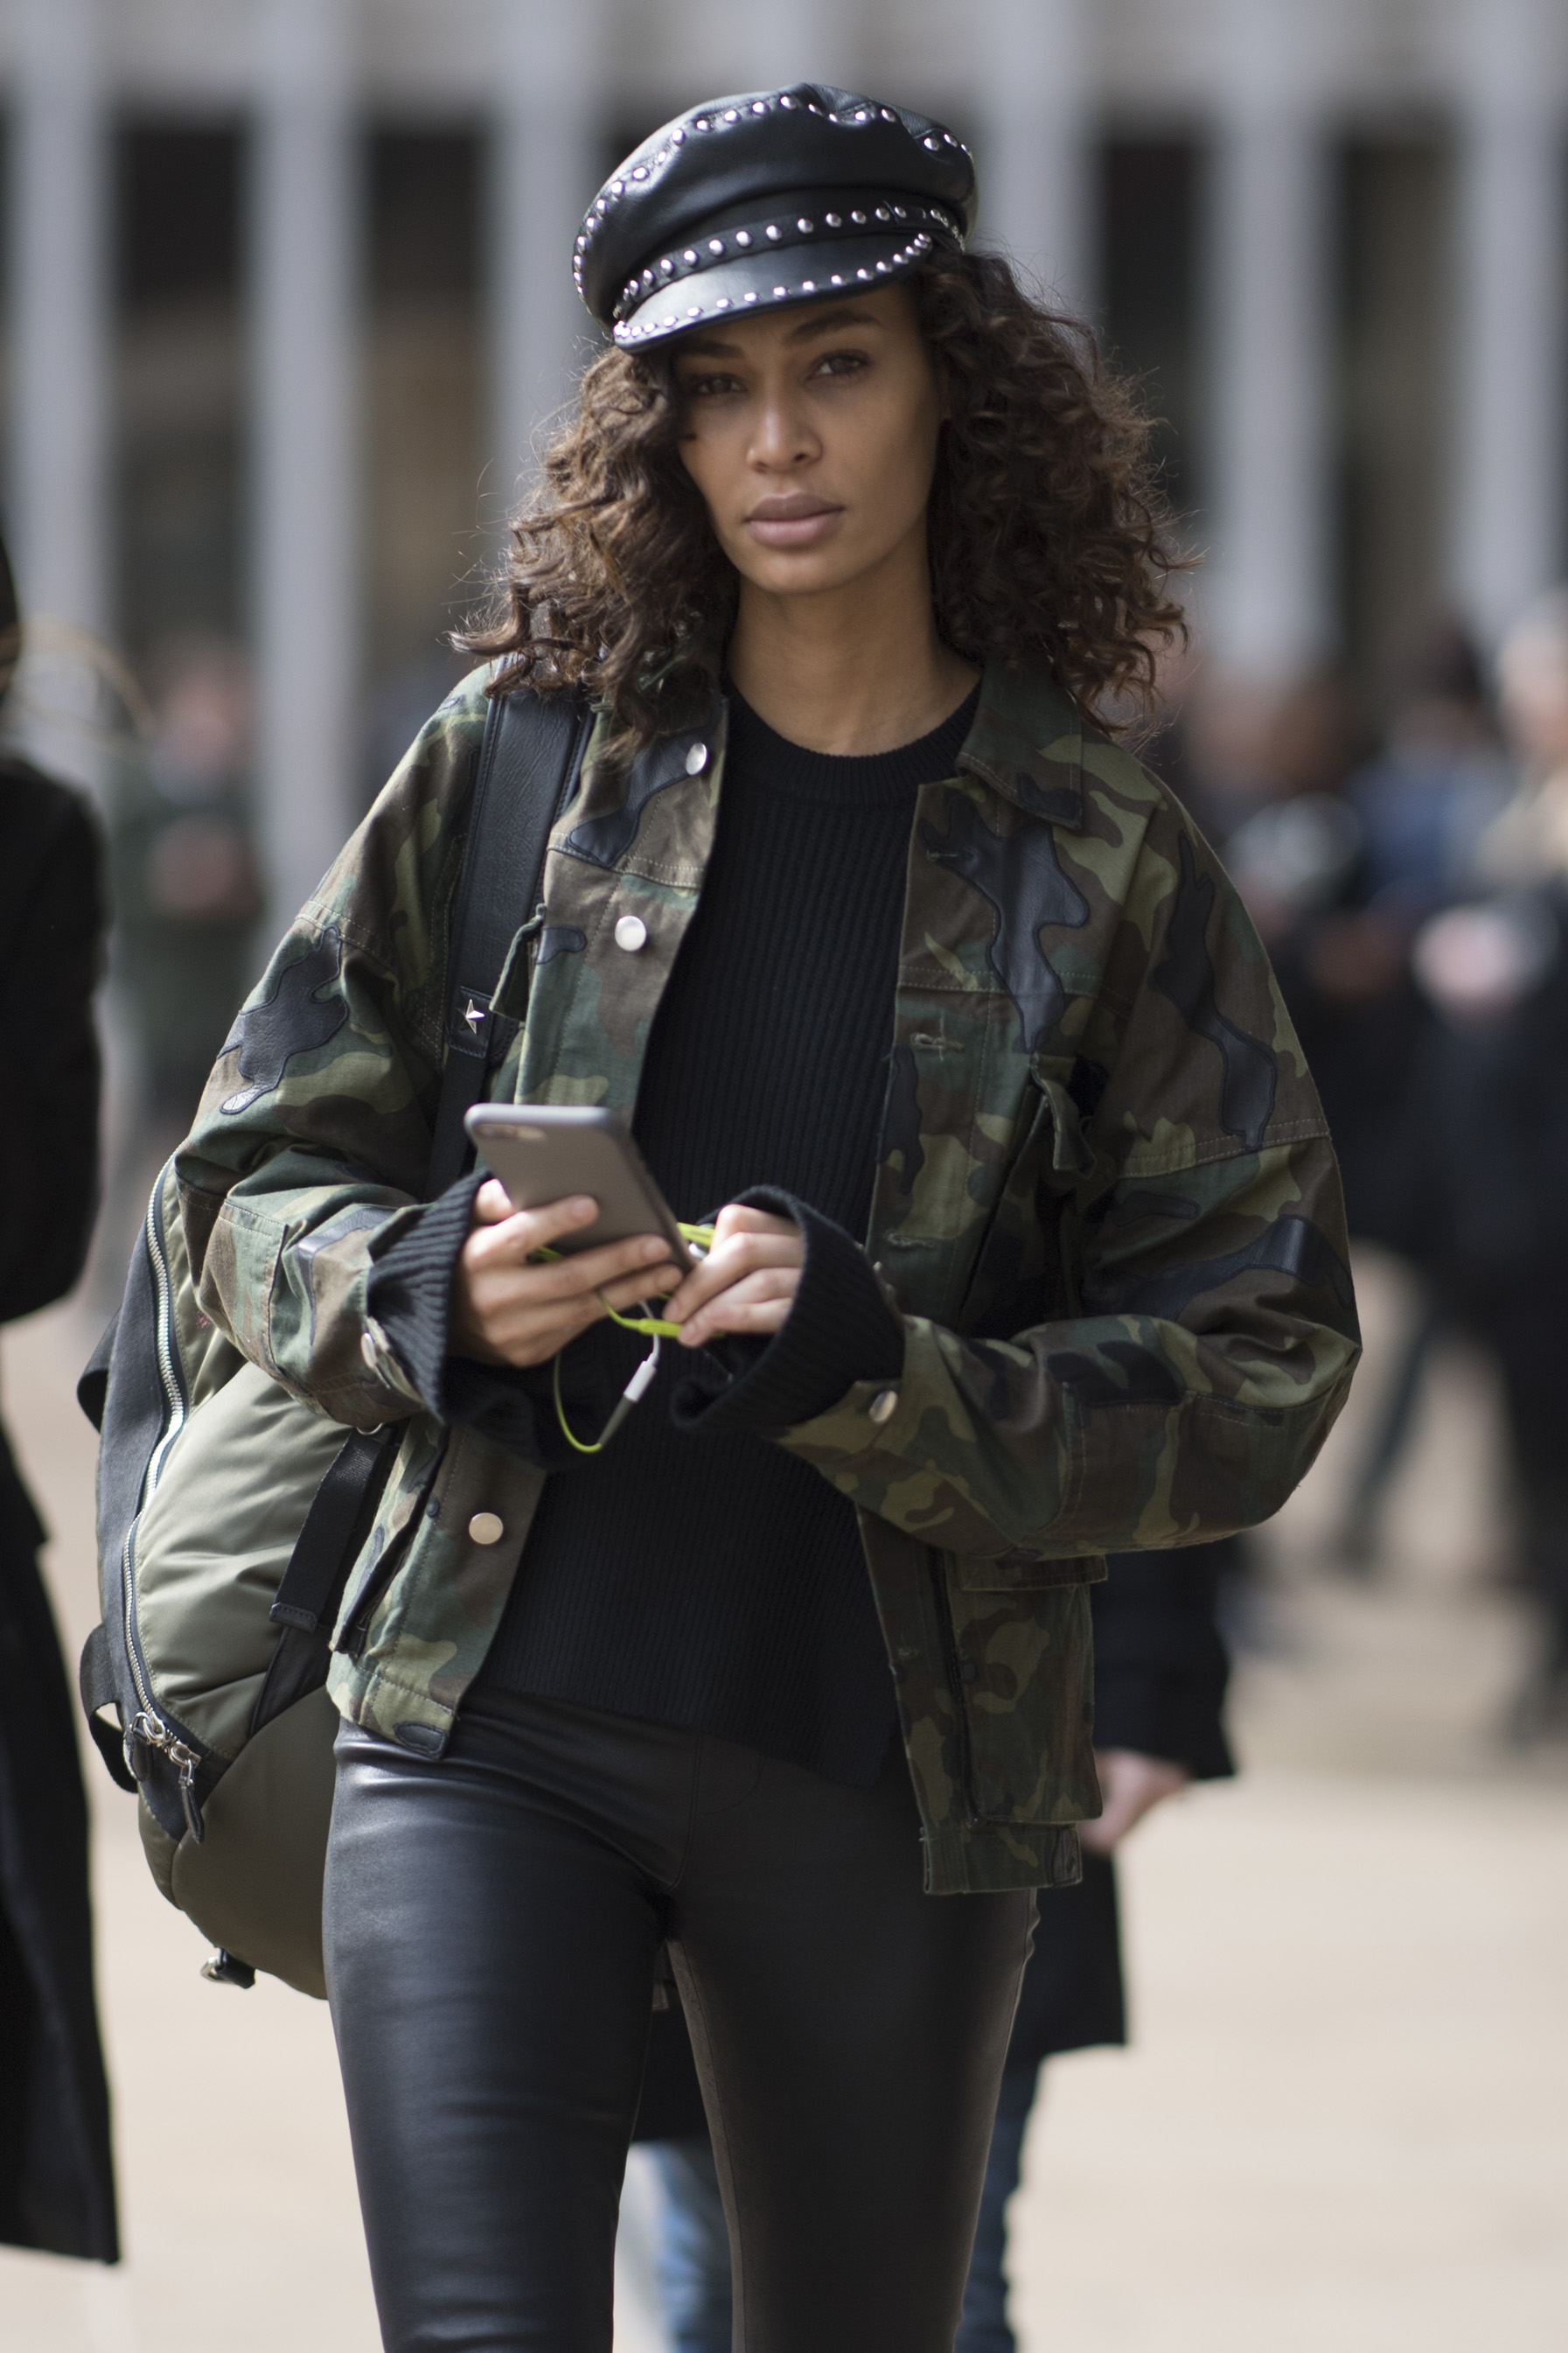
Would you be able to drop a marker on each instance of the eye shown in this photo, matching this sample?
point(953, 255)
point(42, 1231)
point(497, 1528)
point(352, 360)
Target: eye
point(709, 388)
point(840, 364)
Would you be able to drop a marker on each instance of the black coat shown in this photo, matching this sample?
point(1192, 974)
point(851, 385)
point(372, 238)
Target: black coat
point(56, 2181)
point(1160, 1674)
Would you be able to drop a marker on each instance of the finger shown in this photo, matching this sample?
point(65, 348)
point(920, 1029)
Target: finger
point(542, 1291)
point(761, 1304)
point(511, 1248)
point(522, 1231)
point(757, 1323)
point(732, 1261)
point(492, 1203)
point(645, 1257)
point(735, 1220)
point(538, 1341)
point(633, 1290)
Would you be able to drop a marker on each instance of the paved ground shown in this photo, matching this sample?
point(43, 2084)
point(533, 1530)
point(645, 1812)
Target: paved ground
point(1345, 2122)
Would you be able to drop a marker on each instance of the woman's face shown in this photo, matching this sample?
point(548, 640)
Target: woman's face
point(811, 434)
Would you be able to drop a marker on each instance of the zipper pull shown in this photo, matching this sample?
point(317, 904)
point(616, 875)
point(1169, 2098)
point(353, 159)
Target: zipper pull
point(185, 1760)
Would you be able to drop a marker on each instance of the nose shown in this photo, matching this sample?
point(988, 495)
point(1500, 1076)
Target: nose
point(784, 438)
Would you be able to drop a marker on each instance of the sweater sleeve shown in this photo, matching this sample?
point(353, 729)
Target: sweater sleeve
point(840, 1330)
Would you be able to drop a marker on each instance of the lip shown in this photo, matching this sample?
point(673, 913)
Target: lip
point(797, 519)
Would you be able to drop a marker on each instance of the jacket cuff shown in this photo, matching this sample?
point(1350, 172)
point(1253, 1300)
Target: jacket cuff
point(840, 1330)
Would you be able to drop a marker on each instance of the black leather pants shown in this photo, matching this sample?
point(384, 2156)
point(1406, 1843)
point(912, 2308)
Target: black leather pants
point(491, 1928)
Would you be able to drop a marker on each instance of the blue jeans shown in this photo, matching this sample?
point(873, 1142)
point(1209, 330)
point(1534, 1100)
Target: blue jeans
point(693, 2261)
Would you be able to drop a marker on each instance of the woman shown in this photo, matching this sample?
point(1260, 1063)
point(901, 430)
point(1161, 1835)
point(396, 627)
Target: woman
point(876, 936)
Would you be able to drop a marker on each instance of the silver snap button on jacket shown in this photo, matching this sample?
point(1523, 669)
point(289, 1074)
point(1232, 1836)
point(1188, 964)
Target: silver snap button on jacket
point(697, 759)
point(631, 934)
point(486, 1528)
point(884, 1405)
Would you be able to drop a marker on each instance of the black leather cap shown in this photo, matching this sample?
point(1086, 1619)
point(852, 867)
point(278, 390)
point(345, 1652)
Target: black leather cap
point(772, 197)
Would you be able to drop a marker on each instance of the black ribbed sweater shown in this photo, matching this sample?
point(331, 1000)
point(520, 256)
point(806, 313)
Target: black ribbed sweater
point(696, 1574)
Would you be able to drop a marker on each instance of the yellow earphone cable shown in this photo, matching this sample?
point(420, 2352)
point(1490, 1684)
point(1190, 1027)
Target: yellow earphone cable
point(655, 1328)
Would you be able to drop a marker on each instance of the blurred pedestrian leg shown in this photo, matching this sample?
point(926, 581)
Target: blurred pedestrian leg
point(1357, 1543)
point(692, 2270)
point(985, 2328)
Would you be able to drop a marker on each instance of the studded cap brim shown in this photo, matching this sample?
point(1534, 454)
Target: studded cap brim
point(771, 282)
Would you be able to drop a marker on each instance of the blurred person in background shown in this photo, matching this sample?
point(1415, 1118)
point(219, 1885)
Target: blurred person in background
point(56, 2181)
point(1339, 873)
point(1340, 877)
point(1160, 1674)
point(1494, 1136)
point(186, 887)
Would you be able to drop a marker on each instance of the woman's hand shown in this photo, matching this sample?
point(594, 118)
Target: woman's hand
point(1130, 1784)
point(746, 1284)
point(506, 1311)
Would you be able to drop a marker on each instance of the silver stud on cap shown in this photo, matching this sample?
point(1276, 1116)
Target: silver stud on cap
point(883, 1405)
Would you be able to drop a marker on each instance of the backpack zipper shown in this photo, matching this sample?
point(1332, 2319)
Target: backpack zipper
point(148, 1728)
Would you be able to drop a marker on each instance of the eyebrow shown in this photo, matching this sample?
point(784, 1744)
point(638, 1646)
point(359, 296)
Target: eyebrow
point(827, 322)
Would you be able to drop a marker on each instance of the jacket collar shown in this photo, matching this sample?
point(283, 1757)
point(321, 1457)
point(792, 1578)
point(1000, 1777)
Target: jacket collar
point(1026, 743)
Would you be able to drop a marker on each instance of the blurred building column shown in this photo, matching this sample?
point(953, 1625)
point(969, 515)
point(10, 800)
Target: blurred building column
point(1507, 523)
point(793, 40)
point(304, 331)
point(60, 517)
point(1036, 180)
point(1268, 485)
point(546, 165)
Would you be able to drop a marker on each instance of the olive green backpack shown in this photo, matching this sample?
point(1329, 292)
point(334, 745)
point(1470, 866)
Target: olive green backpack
point(230, 1513)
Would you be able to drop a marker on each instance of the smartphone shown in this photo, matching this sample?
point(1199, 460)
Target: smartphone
point(543, 1152)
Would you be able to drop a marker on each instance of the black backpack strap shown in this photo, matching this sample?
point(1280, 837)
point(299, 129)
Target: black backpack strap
point(533, 750)
point(311, 1585)
point(95, 1681)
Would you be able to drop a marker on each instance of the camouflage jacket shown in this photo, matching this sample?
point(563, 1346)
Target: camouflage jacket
point(1106, 1210)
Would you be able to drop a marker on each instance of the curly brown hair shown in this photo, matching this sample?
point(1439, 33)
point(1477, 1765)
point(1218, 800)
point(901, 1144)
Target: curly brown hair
point(1050, 538)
